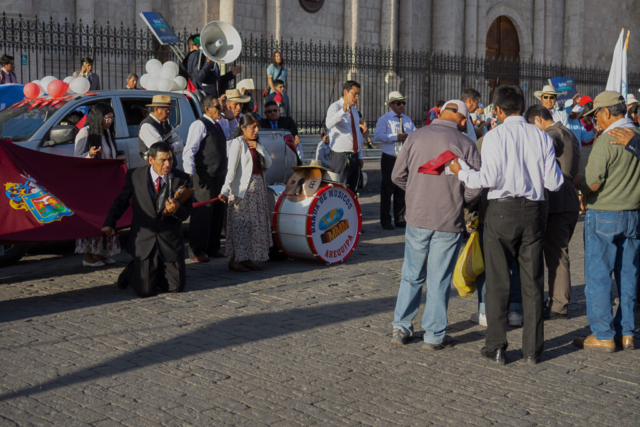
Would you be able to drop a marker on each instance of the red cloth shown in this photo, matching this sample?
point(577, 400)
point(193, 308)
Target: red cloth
point(436, 165)
point(354, 134)
point(278, 98)
point(49, 197)
point(256, 163)
point(158, 184)
point(428, 121)
point(190, 86)
point(588, 127)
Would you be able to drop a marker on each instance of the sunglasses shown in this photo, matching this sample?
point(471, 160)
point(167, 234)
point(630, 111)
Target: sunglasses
point(270, 111)
point(400, 103)
point(548, 97)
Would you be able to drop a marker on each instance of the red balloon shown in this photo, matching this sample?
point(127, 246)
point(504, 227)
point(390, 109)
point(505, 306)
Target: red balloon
point(31, 90)
point(57, 88)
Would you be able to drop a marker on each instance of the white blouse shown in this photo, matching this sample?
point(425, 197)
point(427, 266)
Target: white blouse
point(107, 153)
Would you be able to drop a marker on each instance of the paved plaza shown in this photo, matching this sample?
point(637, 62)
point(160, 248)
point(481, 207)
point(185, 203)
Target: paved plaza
point(296, 344)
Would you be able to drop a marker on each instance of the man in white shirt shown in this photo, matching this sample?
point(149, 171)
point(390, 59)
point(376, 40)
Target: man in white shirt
point(344, 133)
point(548, 97)
point(471, 99)
point(205, 159)
point(518, 164)
point(392, 130)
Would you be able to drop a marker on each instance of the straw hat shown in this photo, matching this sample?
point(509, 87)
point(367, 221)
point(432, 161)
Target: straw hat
point(233, 95)
point(331, 177)
point(547, 89)
point(396, 96)
point(248, 84)
point(314, 164)
point(161, 101)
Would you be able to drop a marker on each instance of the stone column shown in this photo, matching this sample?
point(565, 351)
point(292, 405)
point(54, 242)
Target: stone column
point(227, 11)
point(405, 25)
point(483, 26)
point(539, 30)
point(85, 10)
point(470, 27)
point(573, 30)
point(274, 19)
point(389, 24)
point(351, 16)
point(447, 26)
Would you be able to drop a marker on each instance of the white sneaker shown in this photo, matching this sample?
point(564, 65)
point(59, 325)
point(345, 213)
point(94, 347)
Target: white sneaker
point(95, 264)
point(109, 261)
point(479, 318)
point(514, 319)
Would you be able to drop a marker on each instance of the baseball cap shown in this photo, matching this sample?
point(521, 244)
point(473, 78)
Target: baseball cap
point(577, 109)
point(459, 105)
point(608, 98)
point(584, 100)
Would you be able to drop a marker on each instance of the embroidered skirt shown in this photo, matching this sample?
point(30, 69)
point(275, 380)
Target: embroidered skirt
point(248, 229)
point(99, 245)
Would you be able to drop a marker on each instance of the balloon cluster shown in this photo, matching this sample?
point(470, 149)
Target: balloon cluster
point(163, 77)
point(56, 88)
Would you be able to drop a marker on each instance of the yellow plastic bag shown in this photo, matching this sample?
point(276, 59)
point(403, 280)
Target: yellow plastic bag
point(469, 266)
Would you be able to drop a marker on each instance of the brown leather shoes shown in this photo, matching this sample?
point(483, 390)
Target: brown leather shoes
point(591, 343)
point(201, 258)
point(624, 343)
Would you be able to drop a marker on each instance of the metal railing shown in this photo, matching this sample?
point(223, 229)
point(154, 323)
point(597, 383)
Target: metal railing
point(316, 70)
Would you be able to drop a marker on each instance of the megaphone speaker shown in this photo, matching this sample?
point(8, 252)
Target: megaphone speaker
point(220, 42)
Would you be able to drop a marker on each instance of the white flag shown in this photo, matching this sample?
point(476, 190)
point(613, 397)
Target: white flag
point(618, 74)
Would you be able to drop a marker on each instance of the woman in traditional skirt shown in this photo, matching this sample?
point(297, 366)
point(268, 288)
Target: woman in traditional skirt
point(248, 229)
point(97, 141)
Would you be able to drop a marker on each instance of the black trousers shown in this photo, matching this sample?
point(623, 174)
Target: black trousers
point(146, 275)
point(207, 221)
point(558, 232)
point(389, 189)
point(347, 166)
point(514, 229)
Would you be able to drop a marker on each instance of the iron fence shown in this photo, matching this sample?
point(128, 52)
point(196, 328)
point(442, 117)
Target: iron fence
point(316, 69)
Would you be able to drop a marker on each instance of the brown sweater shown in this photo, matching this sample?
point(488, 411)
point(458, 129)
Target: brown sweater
point(435, 202)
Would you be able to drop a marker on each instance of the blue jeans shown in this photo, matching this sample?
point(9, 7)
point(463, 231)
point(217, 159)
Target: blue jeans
point(439, 250)
point(611, 244)
point(515, 290)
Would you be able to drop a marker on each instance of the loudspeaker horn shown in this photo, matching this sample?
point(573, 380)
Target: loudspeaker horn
point(220, 42)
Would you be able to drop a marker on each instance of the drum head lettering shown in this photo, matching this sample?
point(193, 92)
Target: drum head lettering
point(302, 184)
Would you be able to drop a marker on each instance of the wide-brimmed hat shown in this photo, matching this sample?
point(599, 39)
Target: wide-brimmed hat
point(331, 177)
point(314, 164)
point(161, 101)
point(248, 84)
point(233, 95)
point(608, 98)
point(396, 96)
point(547, 89)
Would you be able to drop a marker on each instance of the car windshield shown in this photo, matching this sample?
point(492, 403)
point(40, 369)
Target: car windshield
point(20, 123)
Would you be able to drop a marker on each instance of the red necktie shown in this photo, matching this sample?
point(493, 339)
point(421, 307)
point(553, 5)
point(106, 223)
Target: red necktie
point(401, 125)
point(353, 132)
point(218, 126)
point(158, 184)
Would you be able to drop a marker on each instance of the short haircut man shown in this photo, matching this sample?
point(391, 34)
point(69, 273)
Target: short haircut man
point(471, 99)
point(6, 59)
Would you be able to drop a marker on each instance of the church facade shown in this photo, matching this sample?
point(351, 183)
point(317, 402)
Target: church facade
point(570, 32)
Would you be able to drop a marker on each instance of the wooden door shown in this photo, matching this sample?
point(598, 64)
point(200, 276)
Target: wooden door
point(503, 51)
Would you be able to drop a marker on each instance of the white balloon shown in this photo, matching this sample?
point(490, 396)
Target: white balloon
point(165, 85)
point(38, 83)
point(152, 84)
point(45, 82)
point(170, 70)
point(181, 82)
point(174, 86)
point(144, 79)
point(68, 79)
point(79, 85)
point(153, 66)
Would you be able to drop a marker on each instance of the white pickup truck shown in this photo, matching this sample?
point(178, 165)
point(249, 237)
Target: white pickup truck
point(51, 129)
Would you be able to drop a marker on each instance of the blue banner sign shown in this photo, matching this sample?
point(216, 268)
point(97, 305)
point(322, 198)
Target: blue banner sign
point(159, 27)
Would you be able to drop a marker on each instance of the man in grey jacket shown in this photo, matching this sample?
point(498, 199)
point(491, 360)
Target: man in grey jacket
point(435, 221)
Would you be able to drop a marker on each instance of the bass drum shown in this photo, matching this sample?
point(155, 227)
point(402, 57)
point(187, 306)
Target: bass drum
point(324, 227)
point(273, 193)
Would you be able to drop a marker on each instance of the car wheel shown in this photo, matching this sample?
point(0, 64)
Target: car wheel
point(12, 254)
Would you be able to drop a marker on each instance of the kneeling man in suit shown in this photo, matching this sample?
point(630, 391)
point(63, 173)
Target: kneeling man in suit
point(155, 240)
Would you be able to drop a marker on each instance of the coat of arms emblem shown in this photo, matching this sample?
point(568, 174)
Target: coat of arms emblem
point(36, 199)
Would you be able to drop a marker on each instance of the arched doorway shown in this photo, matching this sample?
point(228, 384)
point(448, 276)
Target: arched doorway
point(502, 54)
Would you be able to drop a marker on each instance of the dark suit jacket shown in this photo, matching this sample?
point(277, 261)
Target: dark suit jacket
point(148, 228)
point(567, 150)
point(283, 123)
point(206, 78)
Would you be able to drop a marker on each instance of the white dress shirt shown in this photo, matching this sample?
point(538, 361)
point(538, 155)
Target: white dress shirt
point(150, 136)
point(387, 129)
point(154, 177)
point(518, 160)
point(106, 152)
point(197, 132)
point(228, 127)
point(560, 116)
point(339, 124)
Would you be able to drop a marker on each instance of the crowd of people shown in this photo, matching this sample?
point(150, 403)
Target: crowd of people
point(527, 173)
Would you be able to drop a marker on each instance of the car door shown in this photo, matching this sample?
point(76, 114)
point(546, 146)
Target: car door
point(134, 110)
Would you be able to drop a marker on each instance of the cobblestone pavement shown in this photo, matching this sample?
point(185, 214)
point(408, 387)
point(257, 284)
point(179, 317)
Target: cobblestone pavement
point(296, 344)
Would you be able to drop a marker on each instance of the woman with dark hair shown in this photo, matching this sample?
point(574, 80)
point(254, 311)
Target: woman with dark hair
point(276, 71)
point(97, 141)
point(248, 230)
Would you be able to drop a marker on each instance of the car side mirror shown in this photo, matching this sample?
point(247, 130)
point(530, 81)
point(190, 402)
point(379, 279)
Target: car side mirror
point(61, 134)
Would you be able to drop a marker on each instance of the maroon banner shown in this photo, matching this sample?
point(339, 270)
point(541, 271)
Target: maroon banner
point(49, 197)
